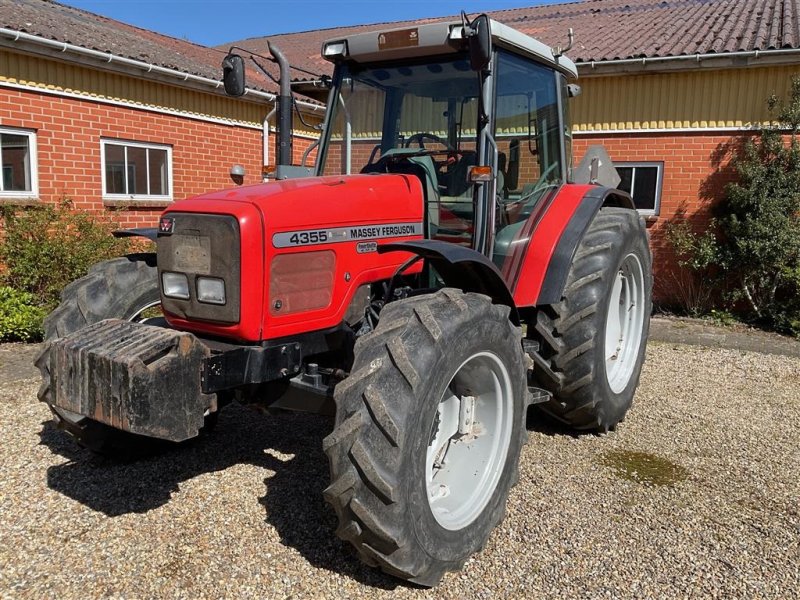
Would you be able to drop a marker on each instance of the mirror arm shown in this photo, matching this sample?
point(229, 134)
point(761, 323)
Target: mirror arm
point(266, 73)
point(273, 60)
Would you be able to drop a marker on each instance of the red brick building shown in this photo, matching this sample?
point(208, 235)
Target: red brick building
point(121, 120)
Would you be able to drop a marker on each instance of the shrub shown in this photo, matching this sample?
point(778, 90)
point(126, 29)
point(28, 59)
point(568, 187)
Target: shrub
point(759, 219)
point(20, 317)
point(48, 246)
point(694, 285)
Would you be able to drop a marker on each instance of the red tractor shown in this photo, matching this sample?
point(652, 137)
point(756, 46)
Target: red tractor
point(438, 271)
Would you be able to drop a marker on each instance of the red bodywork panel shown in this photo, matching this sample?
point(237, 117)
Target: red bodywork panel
point(300, 205)
point(525, 270)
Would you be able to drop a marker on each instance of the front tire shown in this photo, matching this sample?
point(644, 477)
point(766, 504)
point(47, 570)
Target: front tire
point(429, 427)
point(593, 342)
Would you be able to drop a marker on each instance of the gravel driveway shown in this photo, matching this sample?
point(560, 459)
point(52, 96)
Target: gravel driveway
point(696, 494)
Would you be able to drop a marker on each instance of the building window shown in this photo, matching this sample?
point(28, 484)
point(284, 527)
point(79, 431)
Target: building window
point(643, 182)
point(136, 171)
point(18, 157)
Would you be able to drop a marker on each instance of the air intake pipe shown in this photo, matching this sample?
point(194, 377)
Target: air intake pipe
point(284, 107)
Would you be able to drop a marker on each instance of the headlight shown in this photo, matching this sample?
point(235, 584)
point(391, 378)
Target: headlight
point(211, 290)
point(175, 285)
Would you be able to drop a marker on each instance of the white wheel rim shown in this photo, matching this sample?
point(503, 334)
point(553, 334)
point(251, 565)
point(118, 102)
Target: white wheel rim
point(137, 315)
point(624, 323)
point(469, 441)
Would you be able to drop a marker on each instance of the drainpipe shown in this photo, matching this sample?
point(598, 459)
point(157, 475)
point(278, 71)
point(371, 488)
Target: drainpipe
point(265, 136)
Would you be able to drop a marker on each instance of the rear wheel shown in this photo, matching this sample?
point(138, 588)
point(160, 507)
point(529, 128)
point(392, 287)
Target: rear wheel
point(121, 288)
point(592, 343)
point(429, 427)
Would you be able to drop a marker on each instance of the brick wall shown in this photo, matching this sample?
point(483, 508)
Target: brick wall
point(68, 139)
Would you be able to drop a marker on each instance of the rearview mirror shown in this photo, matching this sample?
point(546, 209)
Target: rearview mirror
point(233, 75)
point(480, 43)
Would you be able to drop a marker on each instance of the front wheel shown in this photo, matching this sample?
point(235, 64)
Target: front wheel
point(592, 343)
point(429, 427)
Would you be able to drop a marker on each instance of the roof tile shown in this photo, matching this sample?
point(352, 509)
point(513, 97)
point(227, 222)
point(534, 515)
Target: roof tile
point(604, 30)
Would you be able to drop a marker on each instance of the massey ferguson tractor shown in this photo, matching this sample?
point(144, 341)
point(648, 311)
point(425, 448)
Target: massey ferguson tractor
point(439, 270)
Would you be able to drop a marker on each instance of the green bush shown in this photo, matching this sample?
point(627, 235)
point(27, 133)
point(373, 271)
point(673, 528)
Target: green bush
point(20, 317)
point(46, 247)
point(694, 285)
point(759, 221)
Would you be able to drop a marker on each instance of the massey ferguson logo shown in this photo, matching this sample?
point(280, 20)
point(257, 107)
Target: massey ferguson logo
point(166, 225)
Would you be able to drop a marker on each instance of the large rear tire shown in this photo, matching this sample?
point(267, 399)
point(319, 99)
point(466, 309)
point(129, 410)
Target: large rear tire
point(429, 427)
point(121, 288)
point(593, 342)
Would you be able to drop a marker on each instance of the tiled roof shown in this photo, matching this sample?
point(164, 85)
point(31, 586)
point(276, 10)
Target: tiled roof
point(610, 29)
point(56, 21)
point(604, 30)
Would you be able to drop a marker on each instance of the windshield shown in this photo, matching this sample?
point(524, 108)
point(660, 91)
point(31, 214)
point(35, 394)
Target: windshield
point(418, 118)
point(430, 106)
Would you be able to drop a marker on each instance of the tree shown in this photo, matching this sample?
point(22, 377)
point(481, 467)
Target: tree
point(759, 218)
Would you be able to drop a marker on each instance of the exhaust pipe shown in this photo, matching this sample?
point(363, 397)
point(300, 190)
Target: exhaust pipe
point(284, 108)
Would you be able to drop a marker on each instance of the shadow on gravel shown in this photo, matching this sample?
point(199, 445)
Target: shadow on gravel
point(292, 502)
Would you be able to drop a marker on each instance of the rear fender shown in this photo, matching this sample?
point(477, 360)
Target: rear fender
point(461, 268)
point(559, 260)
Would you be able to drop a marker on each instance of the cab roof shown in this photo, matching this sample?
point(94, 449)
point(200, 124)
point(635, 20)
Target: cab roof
point(436, 39)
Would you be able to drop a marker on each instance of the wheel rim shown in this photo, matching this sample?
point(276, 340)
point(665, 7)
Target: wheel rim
point(624, 323)
point(138, 315)
point(469, 441)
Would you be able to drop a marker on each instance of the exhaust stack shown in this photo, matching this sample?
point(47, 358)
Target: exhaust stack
point(284, 107)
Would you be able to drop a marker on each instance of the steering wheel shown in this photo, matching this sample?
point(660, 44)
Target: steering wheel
point(424, 135)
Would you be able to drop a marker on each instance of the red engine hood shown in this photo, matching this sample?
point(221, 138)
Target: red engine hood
point(306, 218)
point(327, 201)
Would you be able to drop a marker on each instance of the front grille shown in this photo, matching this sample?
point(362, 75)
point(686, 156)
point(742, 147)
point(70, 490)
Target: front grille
point(206, 245)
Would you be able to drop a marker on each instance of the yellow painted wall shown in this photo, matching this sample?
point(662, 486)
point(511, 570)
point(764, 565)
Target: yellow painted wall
point(65, 77)
point(699, 99)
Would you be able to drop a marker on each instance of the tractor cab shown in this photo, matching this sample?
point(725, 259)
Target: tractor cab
point(476, 110)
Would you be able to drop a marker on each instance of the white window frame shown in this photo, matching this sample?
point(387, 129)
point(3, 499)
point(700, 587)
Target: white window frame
point(33, 164)
point(659, 166)
point(131, 144)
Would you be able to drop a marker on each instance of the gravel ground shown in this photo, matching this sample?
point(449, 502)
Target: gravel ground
point(710, 507)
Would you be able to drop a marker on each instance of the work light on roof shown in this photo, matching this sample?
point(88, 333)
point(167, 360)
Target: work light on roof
point(335, 48)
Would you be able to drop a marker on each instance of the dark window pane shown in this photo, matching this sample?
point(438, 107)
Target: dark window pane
point(159, 173)
point(625, 175)
point(137, 170)
point(16, 163)
point(644, 189)
point(115, 169)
